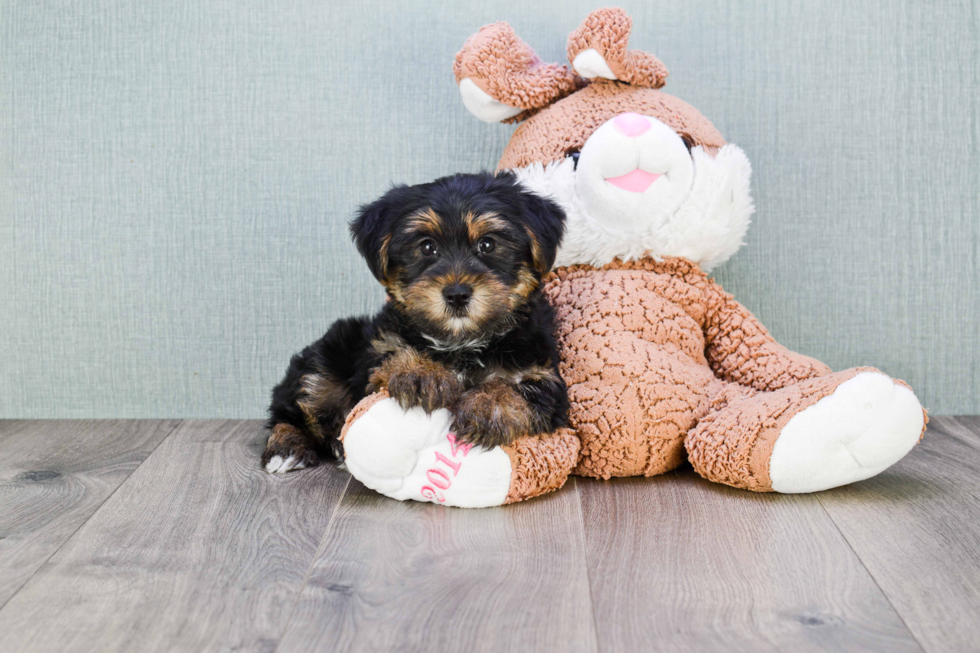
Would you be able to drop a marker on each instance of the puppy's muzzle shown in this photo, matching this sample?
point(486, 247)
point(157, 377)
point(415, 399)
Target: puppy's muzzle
point(457, 295)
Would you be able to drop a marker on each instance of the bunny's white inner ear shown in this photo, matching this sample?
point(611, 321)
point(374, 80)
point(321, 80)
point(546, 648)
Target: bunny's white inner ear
point(481, 105)
point(590, 64)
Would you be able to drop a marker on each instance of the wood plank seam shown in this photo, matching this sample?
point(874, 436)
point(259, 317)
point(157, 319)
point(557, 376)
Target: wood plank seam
point(390, 569)
point(94, 512)
point(585, 562)
point(309, 569)
point(870, 575)
point(934, 523)
point(203, 550)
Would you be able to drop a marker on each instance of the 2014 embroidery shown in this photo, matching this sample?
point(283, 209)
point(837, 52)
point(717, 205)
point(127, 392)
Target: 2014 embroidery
point(440, 478)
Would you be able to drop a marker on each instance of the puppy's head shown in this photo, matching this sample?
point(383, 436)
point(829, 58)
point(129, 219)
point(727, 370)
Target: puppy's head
point(461, 254)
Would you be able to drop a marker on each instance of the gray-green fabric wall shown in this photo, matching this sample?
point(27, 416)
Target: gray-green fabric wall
point(176, 178)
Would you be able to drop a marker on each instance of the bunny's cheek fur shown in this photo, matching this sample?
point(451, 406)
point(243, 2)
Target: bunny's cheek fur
point(707, 227)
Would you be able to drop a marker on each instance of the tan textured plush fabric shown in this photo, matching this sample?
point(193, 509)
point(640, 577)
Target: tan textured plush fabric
point(607, 31)
point(733, 443)
point(541, 463)
point(549, 135)
point(507, 69)
point(561, 110)
point(647, 348)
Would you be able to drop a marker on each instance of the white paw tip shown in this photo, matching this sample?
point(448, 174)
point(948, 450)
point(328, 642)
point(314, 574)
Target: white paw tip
point(278, 465)
point(274, 464)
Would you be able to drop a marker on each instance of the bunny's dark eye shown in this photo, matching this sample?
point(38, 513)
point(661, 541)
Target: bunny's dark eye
point(486, 245)
point(688, 140)
point(428, 247)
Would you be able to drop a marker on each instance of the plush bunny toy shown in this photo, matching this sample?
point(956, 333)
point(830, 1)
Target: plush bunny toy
point(662, 365)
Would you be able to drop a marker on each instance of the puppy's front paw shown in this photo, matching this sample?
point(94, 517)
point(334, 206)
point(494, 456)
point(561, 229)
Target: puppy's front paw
point(415, 380)
point(491, 415)
point(287, 450)
point(426, 390)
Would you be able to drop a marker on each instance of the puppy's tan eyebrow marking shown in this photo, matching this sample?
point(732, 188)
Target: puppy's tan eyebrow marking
point(478, 226)
point(428, 221)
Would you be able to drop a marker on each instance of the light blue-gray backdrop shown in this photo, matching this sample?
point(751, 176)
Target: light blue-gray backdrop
point(176, 178)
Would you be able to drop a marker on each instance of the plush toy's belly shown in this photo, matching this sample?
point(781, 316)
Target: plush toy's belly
point(633, 359)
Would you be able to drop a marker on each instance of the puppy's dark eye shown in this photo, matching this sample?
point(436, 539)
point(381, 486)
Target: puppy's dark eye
point(486, 245)
point(428, 247)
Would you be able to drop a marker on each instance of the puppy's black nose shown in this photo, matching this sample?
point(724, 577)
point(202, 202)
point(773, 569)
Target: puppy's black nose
point(457, 295)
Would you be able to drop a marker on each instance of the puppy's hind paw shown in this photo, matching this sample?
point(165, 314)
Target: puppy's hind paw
point(287, 451)
point(277, 465)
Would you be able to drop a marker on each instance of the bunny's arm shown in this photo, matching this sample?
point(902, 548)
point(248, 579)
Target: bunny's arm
point(740, 349)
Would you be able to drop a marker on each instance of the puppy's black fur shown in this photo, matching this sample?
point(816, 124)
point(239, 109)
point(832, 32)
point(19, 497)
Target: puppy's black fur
point(465, 326)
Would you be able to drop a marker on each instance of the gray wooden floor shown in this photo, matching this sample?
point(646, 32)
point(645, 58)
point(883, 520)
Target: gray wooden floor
point(166, 535)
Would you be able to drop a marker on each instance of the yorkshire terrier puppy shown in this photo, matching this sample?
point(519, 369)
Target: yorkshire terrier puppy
point(465, 325)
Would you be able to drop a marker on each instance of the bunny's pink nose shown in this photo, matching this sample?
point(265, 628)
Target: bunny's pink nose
point(631, 124)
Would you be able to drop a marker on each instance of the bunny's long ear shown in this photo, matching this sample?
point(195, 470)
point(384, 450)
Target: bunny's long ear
point(598, 48)
point(502, 80)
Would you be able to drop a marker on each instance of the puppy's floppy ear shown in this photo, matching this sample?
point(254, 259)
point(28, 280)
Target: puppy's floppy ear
point(371, 231)
point(544, 221)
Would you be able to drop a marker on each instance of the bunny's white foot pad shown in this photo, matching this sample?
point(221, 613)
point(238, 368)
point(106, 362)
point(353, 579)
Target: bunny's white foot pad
point(406, 454)
point(869, 423)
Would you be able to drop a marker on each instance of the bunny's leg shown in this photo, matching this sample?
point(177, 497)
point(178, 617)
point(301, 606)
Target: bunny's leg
point(820, 433)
